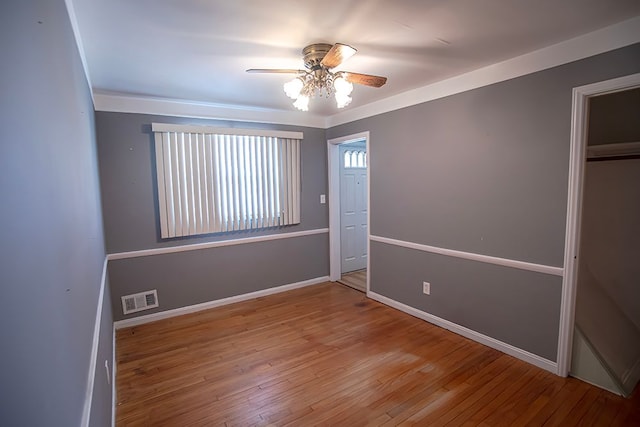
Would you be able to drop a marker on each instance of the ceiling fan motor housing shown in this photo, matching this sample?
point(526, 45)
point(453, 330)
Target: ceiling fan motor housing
point(314, 53)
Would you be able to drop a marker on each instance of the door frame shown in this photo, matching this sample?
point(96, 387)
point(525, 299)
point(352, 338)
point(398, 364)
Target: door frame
point(579, 132)
point(333, 157)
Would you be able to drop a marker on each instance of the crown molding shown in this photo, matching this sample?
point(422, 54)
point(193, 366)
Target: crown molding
point(122, 103)
point(606, 39)
point(609, 38)
point(76, 34)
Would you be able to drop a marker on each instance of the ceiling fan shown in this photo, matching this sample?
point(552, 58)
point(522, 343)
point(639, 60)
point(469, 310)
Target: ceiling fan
point(319, 60)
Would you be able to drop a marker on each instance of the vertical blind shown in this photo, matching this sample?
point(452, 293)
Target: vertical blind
point(215, 180)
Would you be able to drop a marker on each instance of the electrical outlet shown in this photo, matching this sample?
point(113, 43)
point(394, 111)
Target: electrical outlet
point(323, 199)
point(426, 288)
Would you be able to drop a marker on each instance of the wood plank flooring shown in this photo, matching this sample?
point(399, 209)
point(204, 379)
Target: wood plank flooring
point(355, 279)
point(327, 355)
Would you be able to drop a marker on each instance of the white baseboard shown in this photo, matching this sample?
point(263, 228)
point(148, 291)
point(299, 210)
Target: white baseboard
point(86, 411)
point(630, 377)
point(518, 353)
point(114, 372)
point(135, 321)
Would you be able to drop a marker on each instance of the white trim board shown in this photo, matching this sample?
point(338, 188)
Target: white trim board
point(114, 373)
point(603, 40)
point(630, 378)
point(80, 46)
point(140, 320)
point(613, 150)
point(86, 411)
point(125, 103)
point(217, 244)
point(579, 123)
point(516, 352)
point(521, 265)
point(333, 171)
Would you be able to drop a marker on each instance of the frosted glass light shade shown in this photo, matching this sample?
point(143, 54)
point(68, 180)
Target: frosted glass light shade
point(302, 103)
point(293, 88)
point(342, 86)
point(342, 100)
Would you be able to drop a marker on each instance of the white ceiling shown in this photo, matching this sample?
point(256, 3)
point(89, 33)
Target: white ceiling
point(198, 50)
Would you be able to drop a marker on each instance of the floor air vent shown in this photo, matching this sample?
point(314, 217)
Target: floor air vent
point(138, 302)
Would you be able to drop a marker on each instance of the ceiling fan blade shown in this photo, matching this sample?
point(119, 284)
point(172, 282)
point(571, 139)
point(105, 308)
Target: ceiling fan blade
point(337, 55)
point(274, 70)
point(364, 79)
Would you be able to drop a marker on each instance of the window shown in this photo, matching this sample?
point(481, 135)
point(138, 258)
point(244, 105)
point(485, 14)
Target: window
point(215, 180)
point(355, 159)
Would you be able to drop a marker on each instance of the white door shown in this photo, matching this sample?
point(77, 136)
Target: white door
point(353, 207)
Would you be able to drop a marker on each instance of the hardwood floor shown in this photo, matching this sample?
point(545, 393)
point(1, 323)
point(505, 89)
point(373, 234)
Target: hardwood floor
point(355, 279)
point(327, 355)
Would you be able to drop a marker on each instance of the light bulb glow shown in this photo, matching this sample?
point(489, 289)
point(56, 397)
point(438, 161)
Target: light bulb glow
point(320, 83)
point(293, 88)
point(342, 100)
point(302, 103)
point(342, 86)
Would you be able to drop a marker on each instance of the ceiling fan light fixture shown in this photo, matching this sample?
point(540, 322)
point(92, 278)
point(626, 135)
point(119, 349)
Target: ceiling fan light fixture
point(342, 86)
point(293, 88)
point(342, 100)
point(302, 103)
point(319, 80)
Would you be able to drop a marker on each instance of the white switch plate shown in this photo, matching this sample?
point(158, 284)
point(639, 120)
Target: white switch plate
point(426, 288)
point(323, 199)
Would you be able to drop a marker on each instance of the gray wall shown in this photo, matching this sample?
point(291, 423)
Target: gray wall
point(484, 171)
point(129, 196)
point(514, 306)
point(52, 248)
point(187, 278)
